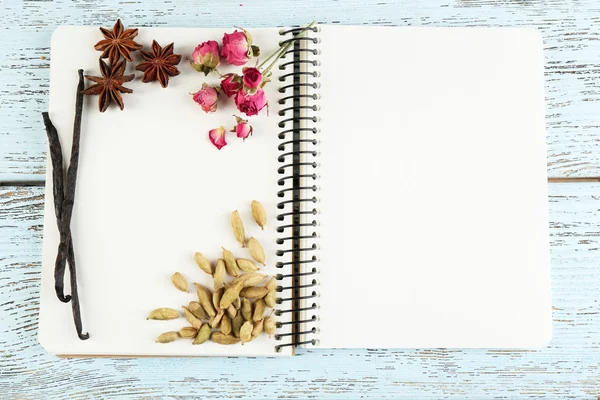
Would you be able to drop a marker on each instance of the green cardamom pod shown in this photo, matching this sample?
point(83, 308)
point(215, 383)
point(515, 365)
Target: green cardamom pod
point(203, 334)
point(221, 338)
point(167, 337)
point(163, 314)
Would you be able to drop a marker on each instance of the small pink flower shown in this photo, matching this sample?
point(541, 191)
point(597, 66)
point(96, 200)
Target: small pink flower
point(205, 57)
point(250, 104)
point(242, 128)
point(217, 137)
point(252, 77)
point(237, 48)
point(231, 84)
point(207, 98)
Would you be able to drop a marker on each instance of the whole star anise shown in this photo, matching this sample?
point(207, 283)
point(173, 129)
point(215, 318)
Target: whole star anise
point(160, 64)
point(117, 43)
point(109, 86)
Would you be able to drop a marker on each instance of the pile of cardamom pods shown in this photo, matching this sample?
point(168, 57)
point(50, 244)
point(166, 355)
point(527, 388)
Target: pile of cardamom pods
point(233, 312)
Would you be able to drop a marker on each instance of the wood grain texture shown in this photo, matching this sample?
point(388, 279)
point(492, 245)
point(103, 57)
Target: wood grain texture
point(568, 28)
point(568, 367)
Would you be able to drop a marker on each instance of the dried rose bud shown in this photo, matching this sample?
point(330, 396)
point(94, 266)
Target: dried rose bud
point(242, 128)
point(207, 98)
point(217, 137)
point(250, 104)
point(205, 57)
point(252, 77)
point(237, 48)
point(231, 84)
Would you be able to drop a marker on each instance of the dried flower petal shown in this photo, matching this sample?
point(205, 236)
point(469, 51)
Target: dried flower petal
point(217, 137)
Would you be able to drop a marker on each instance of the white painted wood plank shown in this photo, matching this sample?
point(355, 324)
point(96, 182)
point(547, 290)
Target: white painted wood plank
point(568, 367)
point(568, 28)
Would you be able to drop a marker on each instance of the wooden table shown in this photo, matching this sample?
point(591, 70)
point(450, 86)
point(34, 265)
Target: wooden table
point(568, 367)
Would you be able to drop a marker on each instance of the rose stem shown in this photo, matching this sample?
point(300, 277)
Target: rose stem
point(283, 49)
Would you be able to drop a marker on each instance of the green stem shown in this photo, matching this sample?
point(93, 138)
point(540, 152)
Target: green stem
point(282, 51)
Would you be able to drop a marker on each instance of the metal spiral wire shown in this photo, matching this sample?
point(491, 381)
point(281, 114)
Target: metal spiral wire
point(298, 157)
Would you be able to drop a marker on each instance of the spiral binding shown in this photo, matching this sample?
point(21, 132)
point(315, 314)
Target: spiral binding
point(298, 159)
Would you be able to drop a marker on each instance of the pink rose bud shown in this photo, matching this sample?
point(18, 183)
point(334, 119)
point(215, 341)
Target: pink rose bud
point(242, 128)
point(206, 57)
point(207, 98)
point(252, 77)
point(217, 137)
point(231, 84)
point(237, 48)
point(250, 104)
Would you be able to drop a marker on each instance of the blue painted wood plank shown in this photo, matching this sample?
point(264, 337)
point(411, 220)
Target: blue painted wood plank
point(568, 27)
point(568, 367)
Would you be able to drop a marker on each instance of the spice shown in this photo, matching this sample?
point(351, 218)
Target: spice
point(216, 320)
point(110, 85)
point(64, 197)
point(254, 292)
point(167, 337)
point(256, 251)
point(159, 64)
point(117, 43)
point(226, 324)
point(221, 338)
point(258, 328)
point(188, 332)
point(270, 325)
point(191, 318)
point(246, 309)
point(196, 309)
point(238, 228)
point(259, 214)
point(219, 275)
point(246, 331)
point(259, 310)
point(246, 265)
point(203, 334)
point(163, 314)
point(203, 263)
point(179, 282)
point(236, 324)
point(230, 263)
point(250, 279)
point(231, 294)
point(205, 299)
point(271, 296)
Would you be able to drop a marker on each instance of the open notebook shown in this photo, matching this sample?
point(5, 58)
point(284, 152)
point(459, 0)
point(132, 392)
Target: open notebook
point(407, 165)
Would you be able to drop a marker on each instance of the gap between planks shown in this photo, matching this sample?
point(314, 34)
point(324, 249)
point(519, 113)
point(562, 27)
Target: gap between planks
point(550, 180)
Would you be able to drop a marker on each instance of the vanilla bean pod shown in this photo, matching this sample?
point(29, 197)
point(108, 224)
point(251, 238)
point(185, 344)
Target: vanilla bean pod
point(63, 205)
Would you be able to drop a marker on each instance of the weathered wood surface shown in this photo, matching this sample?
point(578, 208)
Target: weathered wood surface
point(569, 367)
point(569, 28)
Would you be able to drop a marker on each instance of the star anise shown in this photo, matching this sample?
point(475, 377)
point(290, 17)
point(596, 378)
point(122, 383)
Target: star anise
point(117, 43)
point(109, 86)
point(160, 64)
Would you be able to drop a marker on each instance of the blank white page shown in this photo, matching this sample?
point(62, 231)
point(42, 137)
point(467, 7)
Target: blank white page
point(433, 188)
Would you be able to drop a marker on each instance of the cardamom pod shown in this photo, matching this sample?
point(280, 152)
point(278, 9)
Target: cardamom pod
point(179, 282)
point(231, 311)
point(236, 324)
point(167, 337)
point(230, 263)
point(188, 332)
point(205, 298)
point(238, 228)
point(219, 275)
point(256, 251)
point(163, 314)
point(246, 309)
point(226, 324)
point(270, 325)
point(258, 328)
point(191, 318)
point(259, 214)
point(221, 338)
point(231, 294)
point(271, 296)
point(250, 279)
point(246, 265)
point(259, 310)
point(254, 292)
point(203, 263)
point(216, 297)
point(237, 303)
point(196, 309)
point(203, 334)
point(216, 320)
point(246, 331)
